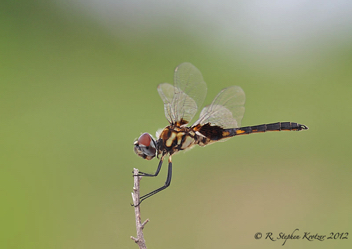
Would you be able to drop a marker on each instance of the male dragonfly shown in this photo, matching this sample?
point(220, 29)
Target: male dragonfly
point(217, 122)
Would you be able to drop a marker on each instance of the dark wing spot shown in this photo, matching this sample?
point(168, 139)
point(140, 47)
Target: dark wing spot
point(212, 132)
point(181, 122)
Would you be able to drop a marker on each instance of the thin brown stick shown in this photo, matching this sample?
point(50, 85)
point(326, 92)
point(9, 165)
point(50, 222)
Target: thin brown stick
point(139, 225)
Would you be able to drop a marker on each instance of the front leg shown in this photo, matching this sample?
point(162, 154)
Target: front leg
point(157, 170)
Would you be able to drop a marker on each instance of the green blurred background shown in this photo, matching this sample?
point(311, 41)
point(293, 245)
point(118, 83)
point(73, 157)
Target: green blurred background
point(78, 85)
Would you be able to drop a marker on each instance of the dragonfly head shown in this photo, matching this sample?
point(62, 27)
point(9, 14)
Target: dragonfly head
point(144, 146)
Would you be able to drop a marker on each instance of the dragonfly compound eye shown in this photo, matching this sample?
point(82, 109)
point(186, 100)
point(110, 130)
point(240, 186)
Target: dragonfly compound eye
point(145, 146)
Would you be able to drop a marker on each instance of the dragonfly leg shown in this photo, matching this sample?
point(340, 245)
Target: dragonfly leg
point(156, 172)
point(167, 184)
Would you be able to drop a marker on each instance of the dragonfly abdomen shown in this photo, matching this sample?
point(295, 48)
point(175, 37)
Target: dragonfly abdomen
point(279, 126)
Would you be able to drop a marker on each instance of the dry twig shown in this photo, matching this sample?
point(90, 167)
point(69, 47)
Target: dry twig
point(139, 225)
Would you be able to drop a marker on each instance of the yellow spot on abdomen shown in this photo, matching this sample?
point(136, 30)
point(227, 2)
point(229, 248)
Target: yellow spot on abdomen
point(225, 133)
point(239, 132)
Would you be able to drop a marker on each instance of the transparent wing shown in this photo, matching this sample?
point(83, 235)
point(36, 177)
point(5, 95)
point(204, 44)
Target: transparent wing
point(182, 100)
point(226, 110)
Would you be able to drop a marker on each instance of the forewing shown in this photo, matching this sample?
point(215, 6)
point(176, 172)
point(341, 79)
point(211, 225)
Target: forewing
point(167, 92)
point(226, 110)
point(182, 100)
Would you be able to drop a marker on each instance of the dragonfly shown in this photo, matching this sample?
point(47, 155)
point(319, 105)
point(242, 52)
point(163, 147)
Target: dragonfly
point(217, 122)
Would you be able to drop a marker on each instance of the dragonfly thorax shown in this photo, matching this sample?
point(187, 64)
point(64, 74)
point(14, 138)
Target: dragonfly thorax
point(175, 138)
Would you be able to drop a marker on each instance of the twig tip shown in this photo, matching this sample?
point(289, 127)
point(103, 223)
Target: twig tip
point(135, 240)
point(144, 223)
